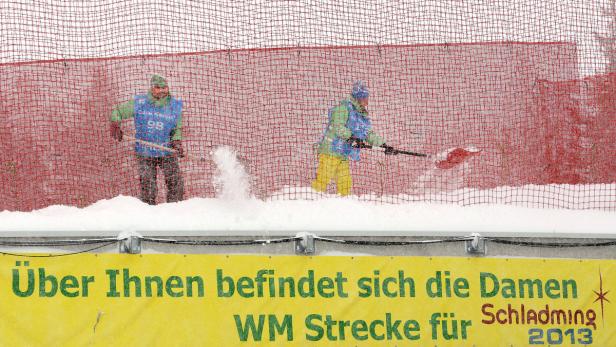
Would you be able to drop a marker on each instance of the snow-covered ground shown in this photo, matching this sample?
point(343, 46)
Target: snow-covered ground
point(235, 213)
point(331, 216)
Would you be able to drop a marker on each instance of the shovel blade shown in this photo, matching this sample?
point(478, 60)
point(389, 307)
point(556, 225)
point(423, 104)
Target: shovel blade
point(456, 156)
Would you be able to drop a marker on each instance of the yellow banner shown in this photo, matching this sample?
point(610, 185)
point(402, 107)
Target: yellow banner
point(214, 300)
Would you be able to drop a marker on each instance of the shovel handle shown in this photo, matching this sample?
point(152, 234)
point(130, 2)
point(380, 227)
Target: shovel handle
point(162, 148)
point(415, 154)
point(150, 144)
point(381, 149)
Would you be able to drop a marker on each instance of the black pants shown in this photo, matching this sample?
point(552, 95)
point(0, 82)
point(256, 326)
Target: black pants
point(173, 178)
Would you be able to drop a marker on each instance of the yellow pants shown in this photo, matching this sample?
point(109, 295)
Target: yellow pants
point(331, 167)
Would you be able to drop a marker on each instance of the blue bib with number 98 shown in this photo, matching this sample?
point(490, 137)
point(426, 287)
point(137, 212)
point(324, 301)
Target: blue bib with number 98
point(154, 124)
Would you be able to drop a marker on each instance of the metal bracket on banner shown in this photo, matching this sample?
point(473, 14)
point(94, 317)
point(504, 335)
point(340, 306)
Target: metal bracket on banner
point(476, 245)
point(305, 244)
point(130, 245)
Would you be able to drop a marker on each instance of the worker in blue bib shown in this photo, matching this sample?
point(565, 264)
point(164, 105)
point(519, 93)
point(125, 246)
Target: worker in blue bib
point(158, 120)
point(349, 128)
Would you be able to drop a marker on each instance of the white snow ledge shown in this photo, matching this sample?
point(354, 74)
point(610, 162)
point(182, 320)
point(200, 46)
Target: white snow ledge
point(323, 217)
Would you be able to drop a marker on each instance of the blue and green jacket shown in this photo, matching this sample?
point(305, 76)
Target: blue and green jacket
point(347, 119)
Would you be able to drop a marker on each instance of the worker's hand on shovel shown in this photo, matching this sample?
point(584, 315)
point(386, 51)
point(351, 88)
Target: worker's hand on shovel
point(116, 131)
point(389, 150)
point(177, 146)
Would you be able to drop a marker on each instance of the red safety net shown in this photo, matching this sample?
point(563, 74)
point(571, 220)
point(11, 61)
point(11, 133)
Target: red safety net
point(541, 112)
point(580, 128)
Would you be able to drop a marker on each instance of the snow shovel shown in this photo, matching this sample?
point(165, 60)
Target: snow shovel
point(454, 156)
point(445, 160)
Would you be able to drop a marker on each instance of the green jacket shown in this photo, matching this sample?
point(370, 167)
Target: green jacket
point(126, 110)
point(337, 128)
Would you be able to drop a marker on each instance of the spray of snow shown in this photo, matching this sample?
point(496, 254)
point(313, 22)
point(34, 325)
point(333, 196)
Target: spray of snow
point(439, 180)
point(231, 180)
point(443, 180)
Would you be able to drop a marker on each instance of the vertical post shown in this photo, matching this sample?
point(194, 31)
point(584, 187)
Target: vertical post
point(305, 244)
point(130, 245)
point(476, 245)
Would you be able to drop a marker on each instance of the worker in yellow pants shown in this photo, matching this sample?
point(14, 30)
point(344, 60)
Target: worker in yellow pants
point(348, 128)
point(336, 169)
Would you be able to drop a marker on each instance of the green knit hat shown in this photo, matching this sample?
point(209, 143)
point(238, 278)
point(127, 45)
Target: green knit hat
point(158, 81)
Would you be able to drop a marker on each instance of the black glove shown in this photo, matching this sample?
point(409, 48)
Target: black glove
point(356, 142)
point(177, 146)
point(116, 131)
point(389, 150)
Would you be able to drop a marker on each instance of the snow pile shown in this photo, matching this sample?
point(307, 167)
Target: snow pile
point(327, 215)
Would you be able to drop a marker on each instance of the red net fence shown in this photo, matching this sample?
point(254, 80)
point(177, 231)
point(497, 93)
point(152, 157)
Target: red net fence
point(534, 94)
point(579, 120)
